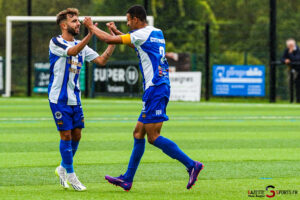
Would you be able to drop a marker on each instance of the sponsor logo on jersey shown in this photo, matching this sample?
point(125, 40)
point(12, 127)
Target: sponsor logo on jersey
point(60, 122)
point(160, 72)
point(75, 71)
point(162, 41)
point(72, 62)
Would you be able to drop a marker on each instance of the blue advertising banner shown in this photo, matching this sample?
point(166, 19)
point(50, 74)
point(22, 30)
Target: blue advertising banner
point(239, 80)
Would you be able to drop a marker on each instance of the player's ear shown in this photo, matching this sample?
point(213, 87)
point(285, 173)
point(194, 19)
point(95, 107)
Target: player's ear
point(63, 24)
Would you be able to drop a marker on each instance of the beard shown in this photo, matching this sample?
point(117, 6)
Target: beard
point(72, 31)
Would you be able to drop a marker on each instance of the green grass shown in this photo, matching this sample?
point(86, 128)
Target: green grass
point(239, 144)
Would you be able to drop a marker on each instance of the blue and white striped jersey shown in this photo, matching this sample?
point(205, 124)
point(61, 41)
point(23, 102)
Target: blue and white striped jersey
point(64, 85)
point(150, 46)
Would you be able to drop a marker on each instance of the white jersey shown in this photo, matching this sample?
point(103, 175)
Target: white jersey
point(150, 45)
point(64, 85)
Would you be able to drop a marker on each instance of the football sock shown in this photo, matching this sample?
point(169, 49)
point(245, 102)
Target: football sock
point(136, 155)
point(172, 150)
point(74, 146)
point(65, 148)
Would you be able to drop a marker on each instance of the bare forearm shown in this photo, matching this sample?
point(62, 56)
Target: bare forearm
point(105, 37)
point(99, 33)
point(102, 60)
point(108, 53)
point(73, 51)
point(117, 32)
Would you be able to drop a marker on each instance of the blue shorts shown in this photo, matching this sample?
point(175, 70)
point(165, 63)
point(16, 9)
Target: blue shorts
point(67, 117)
point(155, 101)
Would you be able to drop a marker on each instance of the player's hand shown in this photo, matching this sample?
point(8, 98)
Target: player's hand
point(287, 61)
point(111, 25)
point(111, 32)
point(91, 33)
point(88, 22)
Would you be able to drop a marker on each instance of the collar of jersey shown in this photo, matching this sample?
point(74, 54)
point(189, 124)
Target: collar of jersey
point(65, 41)
point(138, 29)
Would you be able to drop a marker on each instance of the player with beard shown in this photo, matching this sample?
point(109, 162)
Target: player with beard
point(67, 55)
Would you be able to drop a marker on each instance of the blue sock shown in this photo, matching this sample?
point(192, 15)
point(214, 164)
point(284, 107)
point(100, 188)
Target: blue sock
point(136, 155)
point(74, 146)
point(65, 148)
point(172, 150)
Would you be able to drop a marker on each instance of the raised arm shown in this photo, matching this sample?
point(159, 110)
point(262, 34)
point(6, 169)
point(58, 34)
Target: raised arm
point(105, 37)
point(102, 35)
point(73, 51)
point(113, 28)
point(102, 60)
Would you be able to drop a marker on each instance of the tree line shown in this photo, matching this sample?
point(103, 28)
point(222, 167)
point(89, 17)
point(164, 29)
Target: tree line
point(239, 28)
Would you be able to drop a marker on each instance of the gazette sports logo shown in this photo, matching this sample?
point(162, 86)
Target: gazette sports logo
point(270, 192)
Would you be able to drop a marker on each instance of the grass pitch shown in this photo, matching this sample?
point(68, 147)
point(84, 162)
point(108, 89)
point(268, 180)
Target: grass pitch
point(243, 147)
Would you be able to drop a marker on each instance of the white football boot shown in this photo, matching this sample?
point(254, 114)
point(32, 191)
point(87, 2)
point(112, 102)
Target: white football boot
point(62, 175)
point(76, 184)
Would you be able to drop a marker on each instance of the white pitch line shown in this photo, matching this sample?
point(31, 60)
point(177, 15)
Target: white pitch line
point(198, 104)
point(250, 105)
point(174, 118)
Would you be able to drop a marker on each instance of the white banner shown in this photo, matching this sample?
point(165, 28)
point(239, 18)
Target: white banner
point(1, 73)
point(185, 86)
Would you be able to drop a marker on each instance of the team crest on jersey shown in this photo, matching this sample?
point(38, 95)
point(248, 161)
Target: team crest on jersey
point(58, 115)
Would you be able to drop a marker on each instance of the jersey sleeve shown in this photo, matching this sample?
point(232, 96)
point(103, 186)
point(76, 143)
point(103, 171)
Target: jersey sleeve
point(126, 39)
point(90, 54)
point(58, 48)
point(137, 38)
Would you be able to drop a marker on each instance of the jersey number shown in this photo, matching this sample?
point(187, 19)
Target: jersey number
point(162, 53)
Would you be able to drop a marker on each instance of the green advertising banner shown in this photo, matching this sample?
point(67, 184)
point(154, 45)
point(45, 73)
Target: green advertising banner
point(82, 77)
point(42, 75)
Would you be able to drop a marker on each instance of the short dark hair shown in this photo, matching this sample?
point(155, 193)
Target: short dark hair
point(137, 11)
point(62, 15)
